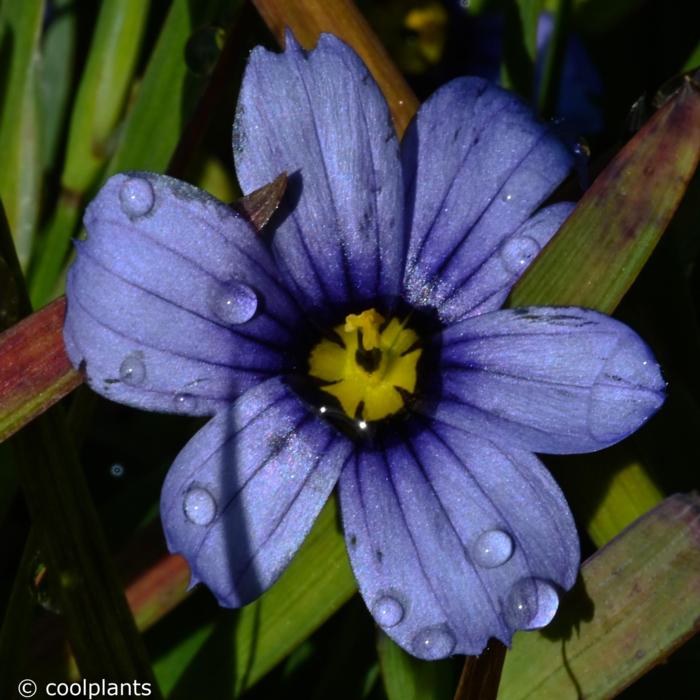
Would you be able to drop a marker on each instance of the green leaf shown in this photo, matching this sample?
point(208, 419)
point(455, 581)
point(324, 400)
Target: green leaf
point(56, 71)
point(171, 666)
point(103, 89)
point(603, 245)
point(635, 603)
point(530, 11)
point(611, 490)
point(693, 61)
point(165, 101)
point(96, 112)
point(316, 584)
point(169, 91)
point(20, 175)
point(520, 45)
point(408, 678)
point(82, 575)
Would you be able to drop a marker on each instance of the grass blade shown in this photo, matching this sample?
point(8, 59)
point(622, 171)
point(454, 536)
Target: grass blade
point(602, 639)
point(603, 245)
point(20, 175)
point(97, 109)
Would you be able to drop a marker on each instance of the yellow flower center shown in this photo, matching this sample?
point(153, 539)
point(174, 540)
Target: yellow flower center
point(372, 370)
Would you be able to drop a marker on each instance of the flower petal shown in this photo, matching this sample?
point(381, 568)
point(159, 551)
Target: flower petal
point(476, 165)
point(487, 288)
point(549, 379)
point(245, 491)
point(321, 117)
point(455, 540)
point(173, 303)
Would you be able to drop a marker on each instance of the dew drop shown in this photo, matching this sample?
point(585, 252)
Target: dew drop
point(117, 470)
point(132, 370)
point(506, 197)
point(184, 402)
point(235, 303)
point(387, 611)
point(531, 604)
point(203, 49)
point(433, 642)
point(492, 548)
point(136, 196)
point(200, 506)
point(516, 253)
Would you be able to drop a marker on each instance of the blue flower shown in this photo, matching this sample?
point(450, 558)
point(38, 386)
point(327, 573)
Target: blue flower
point(361, 344)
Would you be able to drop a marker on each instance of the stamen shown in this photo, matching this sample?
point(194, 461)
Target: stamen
point(367, 324)
point(373, 373)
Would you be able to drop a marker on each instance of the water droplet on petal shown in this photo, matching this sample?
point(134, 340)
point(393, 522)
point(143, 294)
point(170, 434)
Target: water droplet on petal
point(516, 253)
point(200, 506)
point(235, 303)
point(387, 611)
point(433, 642)
point(136, 196)
point(184, 402)
point(492, 548)
point(531, 604)
point(132, 370)
point(507, 197)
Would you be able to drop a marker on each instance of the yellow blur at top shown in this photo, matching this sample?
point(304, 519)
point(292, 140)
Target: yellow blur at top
point(373, 370)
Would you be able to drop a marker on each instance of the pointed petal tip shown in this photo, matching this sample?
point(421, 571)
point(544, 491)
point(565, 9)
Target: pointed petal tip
point(290, 42)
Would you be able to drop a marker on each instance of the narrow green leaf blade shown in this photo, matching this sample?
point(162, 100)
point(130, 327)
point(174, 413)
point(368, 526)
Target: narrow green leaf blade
point(82, 576)
point(96, 112)
point(603, 245)
point(316, 584)
point(103, 89)
point(168, 93)
point(638, 601)
point(530, 11)
point(20, 174)
point(408, 678)
point(318, 581)
point(520, 45)
point(57, 67)
point(693, 61)
point(171, 666)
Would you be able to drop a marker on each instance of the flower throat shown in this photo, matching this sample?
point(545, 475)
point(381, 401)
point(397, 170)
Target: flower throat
point(369, 366)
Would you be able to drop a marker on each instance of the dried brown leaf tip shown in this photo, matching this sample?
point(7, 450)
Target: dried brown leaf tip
point(259, 206)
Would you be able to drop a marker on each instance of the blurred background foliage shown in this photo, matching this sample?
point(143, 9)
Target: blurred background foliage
point(88, 89)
